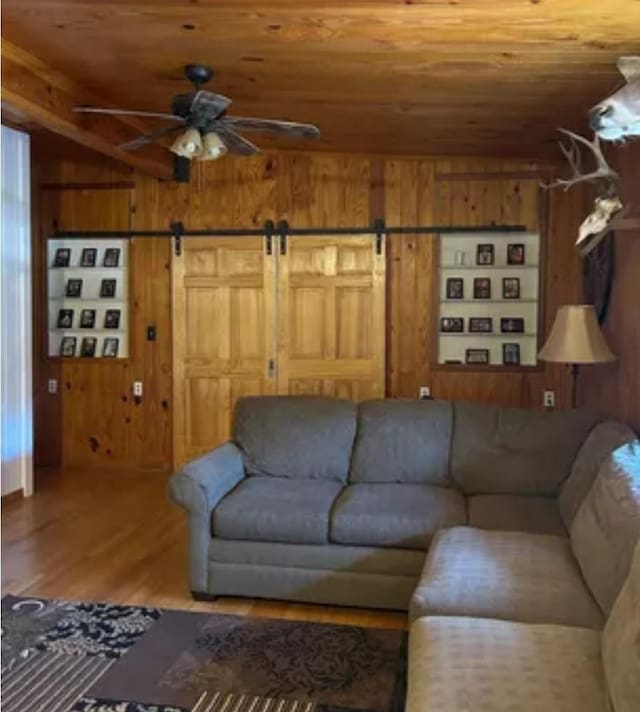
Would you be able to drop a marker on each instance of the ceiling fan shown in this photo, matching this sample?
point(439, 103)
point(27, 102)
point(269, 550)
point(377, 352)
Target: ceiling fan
point(206, 132)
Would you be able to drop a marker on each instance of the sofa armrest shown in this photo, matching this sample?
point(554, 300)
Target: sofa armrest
point(202, 483)
point(198, 488)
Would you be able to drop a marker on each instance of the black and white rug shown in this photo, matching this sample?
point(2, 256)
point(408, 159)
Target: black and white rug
point(91, 657)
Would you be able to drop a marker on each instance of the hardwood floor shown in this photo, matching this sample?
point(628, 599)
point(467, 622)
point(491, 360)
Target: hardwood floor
point(114, 536)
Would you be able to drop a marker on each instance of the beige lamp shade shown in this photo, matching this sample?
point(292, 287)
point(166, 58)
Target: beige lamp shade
point(576, 337)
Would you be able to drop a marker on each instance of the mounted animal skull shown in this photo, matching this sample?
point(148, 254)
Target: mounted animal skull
point(607, 204)
point(618, 116)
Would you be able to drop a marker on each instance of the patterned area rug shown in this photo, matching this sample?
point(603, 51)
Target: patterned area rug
point(92, 657)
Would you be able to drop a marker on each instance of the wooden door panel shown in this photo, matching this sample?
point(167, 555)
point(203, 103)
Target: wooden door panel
point(354, 314)
point(224, 336)
point(349, 389)
point(331, 305)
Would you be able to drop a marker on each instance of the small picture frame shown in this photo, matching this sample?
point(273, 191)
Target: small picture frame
point(112, 319)
point(88, 257)
point(511, 288)
point(68, 347)
point(485, 254)
point(65, 319)
point(87, 318)
point(476, 356)
point(88, 348)
point(62, 257)
point(482, 288)
point(455, 288)
point(111, 257)
point(110, 348)
point(512, 325)
point(481, 324)
point(515, 253)
point(451, 325)
point(73, 289)
point(108, 288)
point(511, 354)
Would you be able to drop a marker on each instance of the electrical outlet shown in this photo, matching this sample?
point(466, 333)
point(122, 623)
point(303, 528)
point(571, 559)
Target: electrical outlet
point(549, 399)
point(137, 389)
point(52, 386)
point(424, 393)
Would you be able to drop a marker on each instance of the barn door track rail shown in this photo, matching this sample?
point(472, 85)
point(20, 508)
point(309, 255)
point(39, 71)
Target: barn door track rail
point(178, 232)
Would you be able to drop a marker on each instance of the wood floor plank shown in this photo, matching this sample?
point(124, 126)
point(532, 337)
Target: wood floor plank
point(115, 537)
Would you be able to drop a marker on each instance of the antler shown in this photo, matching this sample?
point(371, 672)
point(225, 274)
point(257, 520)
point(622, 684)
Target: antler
point(574, 156)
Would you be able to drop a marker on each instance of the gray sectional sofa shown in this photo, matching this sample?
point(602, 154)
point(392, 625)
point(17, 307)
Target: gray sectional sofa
point(508, 533)
point(509, 620)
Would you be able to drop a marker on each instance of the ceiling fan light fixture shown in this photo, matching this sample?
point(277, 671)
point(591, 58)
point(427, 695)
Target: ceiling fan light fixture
point(188, 144)
point(213, 147)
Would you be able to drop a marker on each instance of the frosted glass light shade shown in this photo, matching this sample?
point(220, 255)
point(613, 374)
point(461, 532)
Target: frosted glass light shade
point(213, 147)
point(188, 144)
point(576, 337)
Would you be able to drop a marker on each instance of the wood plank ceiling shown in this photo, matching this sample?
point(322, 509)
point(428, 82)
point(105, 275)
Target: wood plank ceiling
point(492, 77)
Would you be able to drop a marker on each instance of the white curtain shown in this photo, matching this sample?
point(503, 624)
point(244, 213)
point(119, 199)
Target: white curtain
point(15, 262)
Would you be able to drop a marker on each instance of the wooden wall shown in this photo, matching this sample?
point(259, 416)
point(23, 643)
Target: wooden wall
point(94, 418)
point(615, 387)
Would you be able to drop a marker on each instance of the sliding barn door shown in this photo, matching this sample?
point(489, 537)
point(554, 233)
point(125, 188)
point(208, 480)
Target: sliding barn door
point(224, 336)
point(331, 316)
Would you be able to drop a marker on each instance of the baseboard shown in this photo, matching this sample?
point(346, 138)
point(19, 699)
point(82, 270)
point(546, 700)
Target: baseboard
point(15, 496)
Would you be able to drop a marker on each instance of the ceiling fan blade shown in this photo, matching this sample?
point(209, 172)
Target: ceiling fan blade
point(208, 105)
point(235, 143)
point(287, 128)
point(126, 112)
point(145, 139)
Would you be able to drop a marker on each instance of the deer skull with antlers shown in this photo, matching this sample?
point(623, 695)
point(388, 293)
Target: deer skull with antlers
point(618, 116)
point(607, 204)
point(614, 119)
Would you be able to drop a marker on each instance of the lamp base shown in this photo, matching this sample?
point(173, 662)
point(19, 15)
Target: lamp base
point(575, 372)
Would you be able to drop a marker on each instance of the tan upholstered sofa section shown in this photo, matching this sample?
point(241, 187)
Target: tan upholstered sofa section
point(606, 528)
point(531, 578)
point(484, 665)
point(621, 644)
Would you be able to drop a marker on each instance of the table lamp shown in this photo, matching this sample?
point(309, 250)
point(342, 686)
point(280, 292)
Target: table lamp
point(576, 339)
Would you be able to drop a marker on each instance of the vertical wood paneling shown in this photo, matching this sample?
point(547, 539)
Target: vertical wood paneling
point(307, 190)
point(615, 388)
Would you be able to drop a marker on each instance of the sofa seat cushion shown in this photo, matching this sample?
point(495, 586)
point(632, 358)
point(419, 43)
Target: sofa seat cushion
point(483, 665)
point(396, 515)
point(509, 512)
point(530, 578)
point(273, 509)
point(299, 437)
point(403, 441)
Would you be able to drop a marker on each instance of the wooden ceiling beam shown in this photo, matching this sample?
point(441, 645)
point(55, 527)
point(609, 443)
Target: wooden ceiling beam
point(33, 92)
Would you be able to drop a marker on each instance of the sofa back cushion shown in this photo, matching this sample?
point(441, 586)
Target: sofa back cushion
point(600, 443)
point(403, 441)
point(606, 528)
point(295, 436)
point(621, 644)
point(513, 450)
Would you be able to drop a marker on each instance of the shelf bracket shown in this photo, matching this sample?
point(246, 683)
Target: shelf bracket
point(177, 230)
